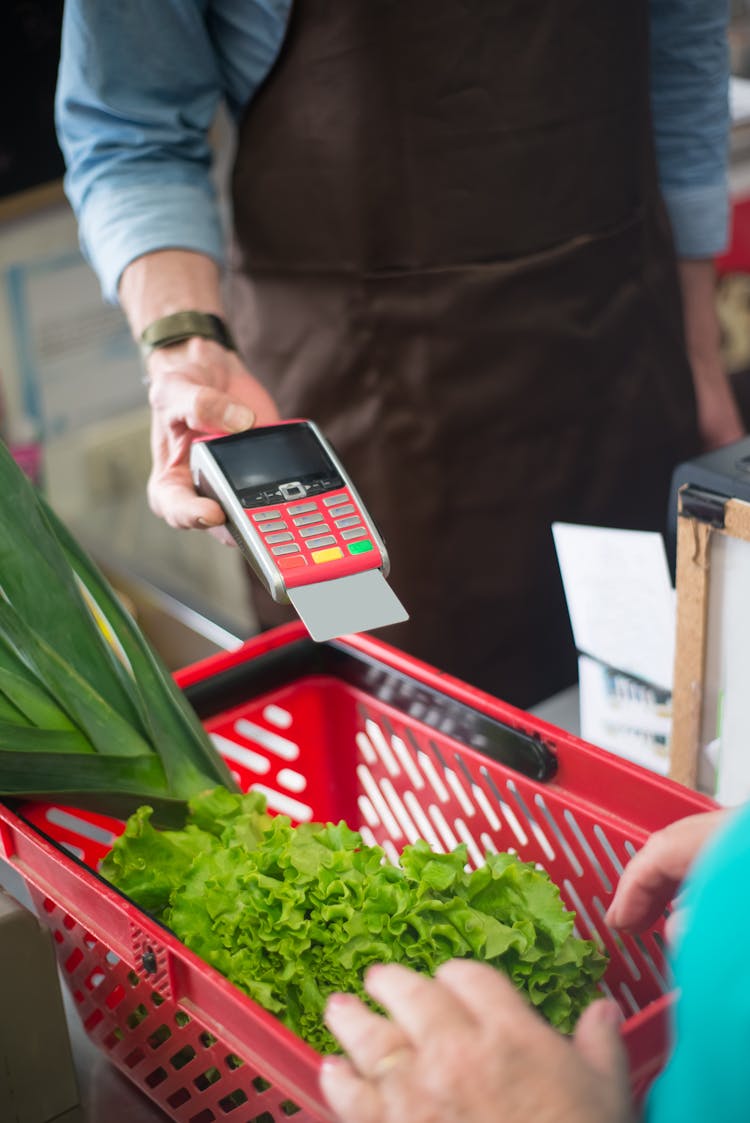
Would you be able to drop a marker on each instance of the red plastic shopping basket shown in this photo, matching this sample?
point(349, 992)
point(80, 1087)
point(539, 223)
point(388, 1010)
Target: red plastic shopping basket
point(350, 730)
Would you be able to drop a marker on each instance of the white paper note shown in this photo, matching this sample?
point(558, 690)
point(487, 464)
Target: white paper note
point(739, 99)
point(620, 598)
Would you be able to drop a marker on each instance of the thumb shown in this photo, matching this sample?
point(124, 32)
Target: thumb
point(204, 409)
point(218, 411)
point(597, 1039)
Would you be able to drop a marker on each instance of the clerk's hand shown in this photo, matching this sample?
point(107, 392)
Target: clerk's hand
point(719, 419)
point(654, 875)
point(196, 387)
point(466, 1047)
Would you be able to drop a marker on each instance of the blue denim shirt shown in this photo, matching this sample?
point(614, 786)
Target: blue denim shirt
point(140, 83)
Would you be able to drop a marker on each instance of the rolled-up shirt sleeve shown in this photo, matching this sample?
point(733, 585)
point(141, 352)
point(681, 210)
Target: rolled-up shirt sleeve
point(138, 89)
point(690, 105)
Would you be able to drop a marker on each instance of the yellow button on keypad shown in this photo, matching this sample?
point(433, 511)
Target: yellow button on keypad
point(320, 556)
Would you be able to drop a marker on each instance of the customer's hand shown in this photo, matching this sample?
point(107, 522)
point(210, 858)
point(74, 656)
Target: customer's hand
point(195, 388)
point(653, 876)
point(466, 1047)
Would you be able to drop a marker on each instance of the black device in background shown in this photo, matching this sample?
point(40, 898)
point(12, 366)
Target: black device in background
point(713, 477)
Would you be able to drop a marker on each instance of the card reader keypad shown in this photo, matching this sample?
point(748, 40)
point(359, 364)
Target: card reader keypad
point(301, 534)
point(317, 528)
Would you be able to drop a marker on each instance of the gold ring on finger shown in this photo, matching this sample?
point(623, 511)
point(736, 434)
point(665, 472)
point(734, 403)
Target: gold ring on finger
point(390, 1061)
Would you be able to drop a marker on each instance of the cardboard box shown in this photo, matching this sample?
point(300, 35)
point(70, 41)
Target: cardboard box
point(37, 1078)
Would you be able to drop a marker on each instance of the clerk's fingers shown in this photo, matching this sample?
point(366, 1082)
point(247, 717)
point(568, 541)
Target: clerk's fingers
point(172, 497)
point(652, 877)
point(180, 400)
point(367, 1037)
point(195, 388)
point(417, 1003)
point(219, 534)
point(171, 494)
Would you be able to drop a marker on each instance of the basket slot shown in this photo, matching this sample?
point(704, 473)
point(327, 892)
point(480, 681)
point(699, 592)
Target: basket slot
point(284, 804)
point(588, 929)
point(382, 748)
point(560, 838)
point(648, 959)
point(458, 790)
point(366, 749)
point(475, 853)
point(630, 1002)
point(434, 778)
point(379, 803)
point(234, 753)
point(443, 827)
point(407, 762)
point(85, 835)
point(540, 837)
point(606, 846)
point(391, 851)
point(490, 813)
point(593, 860)
point(421, 821)
point(270, 741)
point(368, 811)
point(396, 805)
point(368, 837)
point(80, 827)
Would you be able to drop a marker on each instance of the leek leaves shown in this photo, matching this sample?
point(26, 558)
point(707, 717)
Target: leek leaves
point(89, 714)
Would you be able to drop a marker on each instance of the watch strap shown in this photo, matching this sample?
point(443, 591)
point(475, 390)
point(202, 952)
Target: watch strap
point(180, 326)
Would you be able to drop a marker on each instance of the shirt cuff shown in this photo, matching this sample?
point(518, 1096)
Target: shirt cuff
point(123, 222)
point(700, 219)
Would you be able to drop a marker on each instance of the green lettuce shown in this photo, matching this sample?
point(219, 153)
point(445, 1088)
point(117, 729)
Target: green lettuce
point(291, 914)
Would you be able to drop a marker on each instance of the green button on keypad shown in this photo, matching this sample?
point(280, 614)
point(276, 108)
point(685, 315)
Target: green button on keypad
point(360, 547)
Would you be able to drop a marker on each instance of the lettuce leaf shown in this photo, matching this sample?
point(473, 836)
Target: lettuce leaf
point(290, 914)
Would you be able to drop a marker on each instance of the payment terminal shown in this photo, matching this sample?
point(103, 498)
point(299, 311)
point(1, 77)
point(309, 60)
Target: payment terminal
point(297, 518)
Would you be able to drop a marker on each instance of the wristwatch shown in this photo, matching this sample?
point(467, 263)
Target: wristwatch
point(184, 325)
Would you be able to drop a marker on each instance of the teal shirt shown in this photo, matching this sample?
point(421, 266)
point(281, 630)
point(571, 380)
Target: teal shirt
point(708, 1075)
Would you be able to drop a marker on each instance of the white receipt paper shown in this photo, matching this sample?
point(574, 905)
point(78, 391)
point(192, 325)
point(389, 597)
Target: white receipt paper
point(620, 598)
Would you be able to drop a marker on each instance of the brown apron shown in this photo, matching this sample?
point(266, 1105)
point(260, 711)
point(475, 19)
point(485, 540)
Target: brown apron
point(451, 253)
